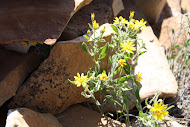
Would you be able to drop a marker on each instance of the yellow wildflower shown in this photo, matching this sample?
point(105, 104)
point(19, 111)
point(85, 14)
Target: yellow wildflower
point(80, 80)
point(158, 111)
point(132, 13)
point(103, 77)
point(92, 16)
point(128, 47)
point(95, 25)
point(120, 21)
point(142, 24)
point(116, 21)
point(121, 62)
point(103, 30)
point(24, 43)
point(139, 77)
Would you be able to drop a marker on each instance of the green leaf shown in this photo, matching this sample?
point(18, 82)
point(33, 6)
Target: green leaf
point(110, 61)
point(122, 80)
point(84, 47)
point(90, 26)
point(115, 28)
point(173, 33)
point(176, 46)
point(86, 37)
point(102, 40)
point(104, 52)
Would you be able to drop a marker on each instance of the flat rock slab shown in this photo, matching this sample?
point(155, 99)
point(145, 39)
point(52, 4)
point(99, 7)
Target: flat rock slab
point(14, 68)
point(34, 20)
point(80, 116)
point(24, 117)
point(156, 73)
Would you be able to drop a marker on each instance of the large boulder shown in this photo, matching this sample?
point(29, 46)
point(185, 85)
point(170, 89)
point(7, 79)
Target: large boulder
point(34, 20)
point(14, 68)
point(78, 25)
point(23, 117)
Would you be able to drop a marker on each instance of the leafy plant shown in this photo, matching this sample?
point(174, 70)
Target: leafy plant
point(117, 83)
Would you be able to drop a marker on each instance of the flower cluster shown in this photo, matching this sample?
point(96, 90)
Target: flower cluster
point(132, 24)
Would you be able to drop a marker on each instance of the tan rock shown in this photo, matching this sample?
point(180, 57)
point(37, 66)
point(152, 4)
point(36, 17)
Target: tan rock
point(80, 116)
point(174, 6)
point(185, 5)
point(156, 73)
point(48, 88)
point(178, 24)
point(78, 25)
point(36, 21)
point(14, 69)
point(24, 117)
point(151, 9)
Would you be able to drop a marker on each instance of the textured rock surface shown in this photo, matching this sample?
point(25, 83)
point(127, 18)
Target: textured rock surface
point(34, 20)
point(48, 88)
point(78, 25)
point(179, 24)
point(80, 116)
point(14, 69)
point(24, 117)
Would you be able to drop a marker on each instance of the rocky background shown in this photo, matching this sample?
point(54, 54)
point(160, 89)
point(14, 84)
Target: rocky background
point(34, 87)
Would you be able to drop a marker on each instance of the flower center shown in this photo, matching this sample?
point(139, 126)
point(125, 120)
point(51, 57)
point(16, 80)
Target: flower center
point(157, 111)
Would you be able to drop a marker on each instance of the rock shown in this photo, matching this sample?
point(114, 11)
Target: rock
point(185, 5)
point(175, 7)
point(151, 9)
point(36, 21)
point(14, 69)
point(80, 116)
point(179, 24)
point(23, 117)
point(48, 88)
point(17, 47)
point(156, 73)
point(78, 25)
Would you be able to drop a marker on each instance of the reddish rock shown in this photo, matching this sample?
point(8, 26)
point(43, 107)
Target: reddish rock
point(14, 69)
point(34, 20)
